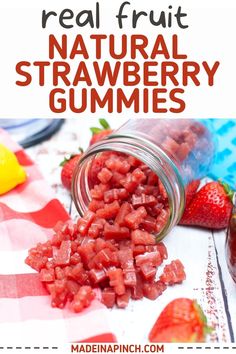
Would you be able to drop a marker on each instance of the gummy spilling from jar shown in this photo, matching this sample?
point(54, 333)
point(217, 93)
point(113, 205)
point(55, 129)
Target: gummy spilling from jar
point(113, 246)
point(127, 194)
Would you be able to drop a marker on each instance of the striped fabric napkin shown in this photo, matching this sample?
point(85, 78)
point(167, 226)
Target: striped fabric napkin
point(27, 216)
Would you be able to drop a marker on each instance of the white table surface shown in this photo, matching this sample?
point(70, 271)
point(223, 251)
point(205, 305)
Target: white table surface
point(201, 251)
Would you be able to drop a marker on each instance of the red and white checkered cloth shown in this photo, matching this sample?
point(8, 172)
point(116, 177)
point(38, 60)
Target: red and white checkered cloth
point(27, 215)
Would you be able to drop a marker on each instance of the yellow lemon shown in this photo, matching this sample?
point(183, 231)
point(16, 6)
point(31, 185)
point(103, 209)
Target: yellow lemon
point(11, 173)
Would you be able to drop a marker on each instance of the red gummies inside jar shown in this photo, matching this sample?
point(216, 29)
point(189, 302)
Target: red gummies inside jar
point(126, 195)
point(142, 171)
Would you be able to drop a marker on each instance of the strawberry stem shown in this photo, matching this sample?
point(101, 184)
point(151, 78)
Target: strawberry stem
point(66, 159)
point(95, 130)
point(229, 191)
point(62, 163)
point(104, 125)
point(206, 329)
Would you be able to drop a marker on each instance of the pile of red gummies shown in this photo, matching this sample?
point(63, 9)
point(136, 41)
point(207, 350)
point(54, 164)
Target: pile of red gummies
point(113, 246)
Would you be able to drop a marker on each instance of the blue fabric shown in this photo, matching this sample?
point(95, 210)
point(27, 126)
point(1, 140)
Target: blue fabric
point(224, 166)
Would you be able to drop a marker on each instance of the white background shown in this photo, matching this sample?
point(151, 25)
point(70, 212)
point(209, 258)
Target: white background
point(210, 37)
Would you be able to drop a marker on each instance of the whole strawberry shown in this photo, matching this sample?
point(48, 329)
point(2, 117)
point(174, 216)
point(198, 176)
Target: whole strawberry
point(182, 320)
point(68, 166)
point(210, 207)
point(100, 133)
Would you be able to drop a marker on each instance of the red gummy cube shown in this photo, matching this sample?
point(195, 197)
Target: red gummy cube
point(143, 200)
point(105, 258)
point(115, 194)
point(96, 165)
point(126, 259)
point(132, 180)
point(147, 189)
point(153, 290)
point(109, 211)
point(104, 175)
point(133, 161)
point(86, 252)
point(130, 277)
point(59, 273)
point(125, 244)
point(47, 275)
point(97, 275)
point(57, 239)
point(153, 258)
point(96, 228)
point(160, 247)
point(68, 272)
point(83, 298)
point(138, 249)
point(162, 190)
point(125, 209)
point(122, 301)
point(95, 204)
point(108, 297)
point(84, 223)
point(37, 262)
point(140, 237)
point(173, 273)
point(72, 287)
point(137, 290)
point(50, 264)
point(116, 232)
point(59, 300)
point(135, 218)
point(98, 191)
point(116, 178)
point(138, 176)
point(148, 271)
point(155, 210)
point(118, 164)
point(100, 244)
point(117, 280)
point(149, 224)
point(94, 231)
point(59, 293)
point(152, 180)
point(63, 255)
point(45, 249)
point(162, 219)
point(80, 274)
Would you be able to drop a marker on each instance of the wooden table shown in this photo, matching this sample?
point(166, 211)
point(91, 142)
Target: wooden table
point(201, 251)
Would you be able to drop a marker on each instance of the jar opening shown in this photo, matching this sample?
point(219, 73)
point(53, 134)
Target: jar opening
point(151, 156)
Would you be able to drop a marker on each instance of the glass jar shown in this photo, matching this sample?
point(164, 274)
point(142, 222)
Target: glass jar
point(231, 243)
point(177, 150)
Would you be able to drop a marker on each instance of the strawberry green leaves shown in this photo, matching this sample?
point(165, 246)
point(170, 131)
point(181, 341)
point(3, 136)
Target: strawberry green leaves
point(104, 125)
